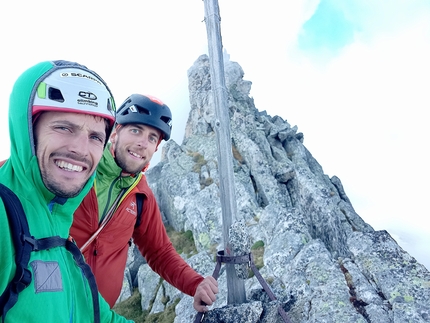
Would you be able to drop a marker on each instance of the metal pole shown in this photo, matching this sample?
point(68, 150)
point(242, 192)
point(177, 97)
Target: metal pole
point(235, 286)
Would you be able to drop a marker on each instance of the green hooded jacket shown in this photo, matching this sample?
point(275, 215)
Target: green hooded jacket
point(109, 181)
point(58, 292)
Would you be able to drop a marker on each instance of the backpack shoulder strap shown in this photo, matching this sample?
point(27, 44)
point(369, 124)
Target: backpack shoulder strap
point(19, 231)
point(24, 244)
point(139, 202)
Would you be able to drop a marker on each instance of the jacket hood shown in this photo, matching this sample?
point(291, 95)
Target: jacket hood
point(21, 171)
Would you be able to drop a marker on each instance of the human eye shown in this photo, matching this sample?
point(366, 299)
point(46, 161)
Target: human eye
point(62, 128)
point(98, 138)
point(153, 139)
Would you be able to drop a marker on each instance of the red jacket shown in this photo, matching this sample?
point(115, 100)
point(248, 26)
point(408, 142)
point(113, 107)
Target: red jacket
point(107, 254)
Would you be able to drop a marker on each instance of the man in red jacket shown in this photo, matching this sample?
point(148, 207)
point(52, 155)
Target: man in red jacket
point(106, 219)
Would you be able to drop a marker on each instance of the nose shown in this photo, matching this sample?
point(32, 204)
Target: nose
point(143, 141)
point(79, 144)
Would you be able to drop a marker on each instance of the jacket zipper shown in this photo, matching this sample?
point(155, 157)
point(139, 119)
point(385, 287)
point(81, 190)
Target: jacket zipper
point(111, 186)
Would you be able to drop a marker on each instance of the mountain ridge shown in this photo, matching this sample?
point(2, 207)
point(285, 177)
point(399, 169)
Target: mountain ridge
point(323, 262)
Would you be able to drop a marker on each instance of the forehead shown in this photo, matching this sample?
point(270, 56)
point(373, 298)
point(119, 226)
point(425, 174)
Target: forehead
point(79, 119)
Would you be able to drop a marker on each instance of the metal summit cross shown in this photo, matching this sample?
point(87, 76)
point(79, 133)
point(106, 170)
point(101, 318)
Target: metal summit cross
point(235, 286)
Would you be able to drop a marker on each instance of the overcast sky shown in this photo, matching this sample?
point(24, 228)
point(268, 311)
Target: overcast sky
point(354, 76)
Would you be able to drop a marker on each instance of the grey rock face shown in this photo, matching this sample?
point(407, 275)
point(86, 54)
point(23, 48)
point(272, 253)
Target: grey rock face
point(321, 260)
point(240, 245)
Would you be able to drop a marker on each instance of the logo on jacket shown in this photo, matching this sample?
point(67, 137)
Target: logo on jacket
point(132, 208)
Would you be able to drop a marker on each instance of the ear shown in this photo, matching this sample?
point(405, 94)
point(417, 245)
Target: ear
point(113, 136)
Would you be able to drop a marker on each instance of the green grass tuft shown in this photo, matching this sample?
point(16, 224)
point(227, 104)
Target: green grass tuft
point(182, 241)
point(131, 308)
point(257, 251)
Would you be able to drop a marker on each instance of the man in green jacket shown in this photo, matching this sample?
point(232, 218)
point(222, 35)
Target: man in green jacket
point(60, 118)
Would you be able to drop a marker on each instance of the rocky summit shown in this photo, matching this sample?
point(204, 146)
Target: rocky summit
point(321, 260)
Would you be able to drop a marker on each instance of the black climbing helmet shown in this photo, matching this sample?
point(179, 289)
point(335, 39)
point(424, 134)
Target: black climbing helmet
point(148, 110)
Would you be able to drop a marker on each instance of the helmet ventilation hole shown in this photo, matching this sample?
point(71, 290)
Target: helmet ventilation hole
point(55, 95)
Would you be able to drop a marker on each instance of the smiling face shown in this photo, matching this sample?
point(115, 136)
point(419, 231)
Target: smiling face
point(134, 145)
point(68, 148)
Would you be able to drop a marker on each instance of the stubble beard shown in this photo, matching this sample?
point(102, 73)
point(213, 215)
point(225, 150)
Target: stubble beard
point(121, 161)
point(58, 189)
point(64, 188)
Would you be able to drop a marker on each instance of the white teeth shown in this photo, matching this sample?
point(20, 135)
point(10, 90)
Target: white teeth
point(135, 155)
point(68, 166)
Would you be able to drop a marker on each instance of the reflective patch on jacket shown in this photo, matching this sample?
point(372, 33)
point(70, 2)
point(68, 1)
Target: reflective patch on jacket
point(47, 276)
